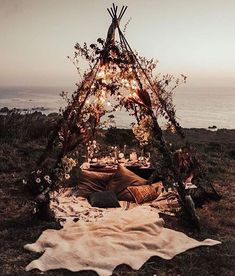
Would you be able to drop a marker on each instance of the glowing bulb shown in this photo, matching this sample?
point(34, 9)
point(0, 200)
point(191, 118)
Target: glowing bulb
point(134, 94)
point(108, 103)
point(100, 74)
point(134, 84)
point(102, 99)
point(87, 101)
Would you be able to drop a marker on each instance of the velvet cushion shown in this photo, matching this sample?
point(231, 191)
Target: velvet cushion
point(90, 182)
point(123, 178)
point(106, 199)
point(146, 193)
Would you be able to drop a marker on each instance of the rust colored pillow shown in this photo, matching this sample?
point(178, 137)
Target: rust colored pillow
point(90, 182)
point(123, 178)
point(146, 193)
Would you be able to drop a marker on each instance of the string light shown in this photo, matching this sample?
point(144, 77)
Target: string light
point(100, 74)
point(103, 93)
point(101, 99)
point(134, 84)
point(134, 95)
point(104, 81)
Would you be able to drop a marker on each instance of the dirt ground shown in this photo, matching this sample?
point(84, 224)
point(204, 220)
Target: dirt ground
point(19, 226)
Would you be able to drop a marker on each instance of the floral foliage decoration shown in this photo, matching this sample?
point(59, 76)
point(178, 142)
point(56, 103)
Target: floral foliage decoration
point(92, 149)
point(143, 130)
point(39, 181)
point(64, 168)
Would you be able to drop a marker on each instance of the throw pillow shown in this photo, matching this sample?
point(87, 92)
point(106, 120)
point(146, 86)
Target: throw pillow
point(146, 193)
point(106, 199)
point(90, 181)
point(123, 178)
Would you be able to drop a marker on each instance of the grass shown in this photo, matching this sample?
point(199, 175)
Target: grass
point(18, 226)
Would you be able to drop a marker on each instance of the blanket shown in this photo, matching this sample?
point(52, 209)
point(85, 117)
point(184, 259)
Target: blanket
point(69, 208)
point(130, 237)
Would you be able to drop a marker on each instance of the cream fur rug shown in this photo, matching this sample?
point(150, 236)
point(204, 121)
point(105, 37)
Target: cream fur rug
point(129, 237)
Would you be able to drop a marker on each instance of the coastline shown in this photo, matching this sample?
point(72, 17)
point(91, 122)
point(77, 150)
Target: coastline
point(196, 107)
point(42, 111)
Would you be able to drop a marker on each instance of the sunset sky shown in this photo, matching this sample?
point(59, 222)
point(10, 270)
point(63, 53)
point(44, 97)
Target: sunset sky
point(196, 38)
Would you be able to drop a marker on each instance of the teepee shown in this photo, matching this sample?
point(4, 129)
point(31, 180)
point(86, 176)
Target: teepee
point(118, 72)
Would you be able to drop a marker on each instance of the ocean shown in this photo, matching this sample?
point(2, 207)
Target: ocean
point(197, 107)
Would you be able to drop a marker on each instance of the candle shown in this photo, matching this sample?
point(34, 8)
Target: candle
point(133, 156)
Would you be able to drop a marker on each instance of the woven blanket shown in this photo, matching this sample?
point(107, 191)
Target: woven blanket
point(130, 237)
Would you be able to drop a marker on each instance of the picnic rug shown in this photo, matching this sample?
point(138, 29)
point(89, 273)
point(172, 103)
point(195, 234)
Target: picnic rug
point(121, 236)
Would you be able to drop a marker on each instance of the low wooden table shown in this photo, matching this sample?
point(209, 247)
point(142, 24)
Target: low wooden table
point(144, 172)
